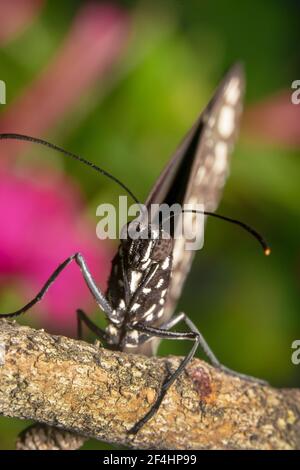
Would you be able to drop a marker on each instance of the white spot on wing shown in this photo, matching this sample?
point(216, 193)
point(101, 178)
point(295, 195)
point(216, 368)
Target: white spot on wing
point(154, 233)
point(149, 311)
point(146, 264)
point(133, 335)
point(166, 263)
point(146, 290)
point(116, 318)
point(178, 249)
point(221, 157)
point(134, 281)
point(160, 313)
point(135, 307)
point(209, 161)
point(160, 283)
point(232, 93)
point(112, 331)
point(226, 121)
point(148, 252)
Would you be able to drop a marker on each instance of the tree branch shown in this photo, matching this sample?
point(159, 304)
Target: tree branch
point(99, 393)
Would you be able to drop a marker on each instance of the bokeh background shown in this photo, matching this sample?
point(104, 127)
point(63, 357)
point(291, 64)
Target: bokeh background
point(120, 83)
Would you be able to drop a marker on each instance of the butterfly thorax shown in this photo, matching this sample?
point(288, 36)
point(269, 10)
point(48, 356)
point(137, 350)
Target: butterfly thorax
point(138, 285)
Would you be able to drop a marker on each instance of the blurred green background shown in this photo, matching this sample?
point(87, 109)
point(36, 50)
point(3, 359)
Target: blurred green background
point(246, 305)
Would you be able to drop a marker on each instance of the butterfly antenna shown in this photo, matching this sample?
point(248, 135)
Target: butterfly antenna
point(248, 228)
point(95, 167)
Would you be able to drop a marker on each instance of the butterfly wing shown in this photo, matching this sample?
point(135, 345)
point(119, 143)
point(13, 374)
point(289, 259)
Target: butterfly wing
point(197, 172)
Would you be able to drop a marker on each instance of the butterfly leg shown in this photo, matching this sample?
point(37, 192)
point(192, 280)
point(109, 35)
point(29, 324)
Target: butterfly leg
point(173, 321)
point(195, 335)
point(97, 294)
point(208, 351)
point(202, 342)
point(165, 334)
point(82, 318)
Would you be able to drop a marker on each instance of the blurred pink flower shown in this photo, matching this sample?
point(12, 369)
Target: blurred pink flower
point(42, 213)
point(16, 15)
point(42, 225)
point(275, 120)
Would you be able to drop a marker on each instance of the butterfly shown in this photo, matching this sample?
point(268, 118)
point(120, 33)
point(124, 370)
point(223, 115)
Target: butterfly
point(149, 271)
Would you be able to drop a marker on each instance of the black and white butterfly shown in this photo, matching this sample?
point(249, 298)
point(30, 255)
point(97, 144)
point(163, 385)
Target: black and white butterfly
point(148, 273)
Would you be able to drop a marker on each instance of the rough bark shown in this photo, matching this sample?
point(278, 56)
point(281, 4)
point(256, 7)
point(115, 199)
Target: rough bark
point(98, 393)
point(43, 437)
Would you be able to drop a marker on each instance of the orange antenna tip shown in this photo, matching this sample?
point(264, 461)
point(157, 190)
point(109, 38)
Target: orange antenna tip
point(267, 251)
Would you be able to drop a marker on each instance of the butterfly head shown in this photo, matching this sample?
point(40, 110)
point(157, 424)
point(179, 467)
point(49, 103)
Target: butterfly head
point(145, 243)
